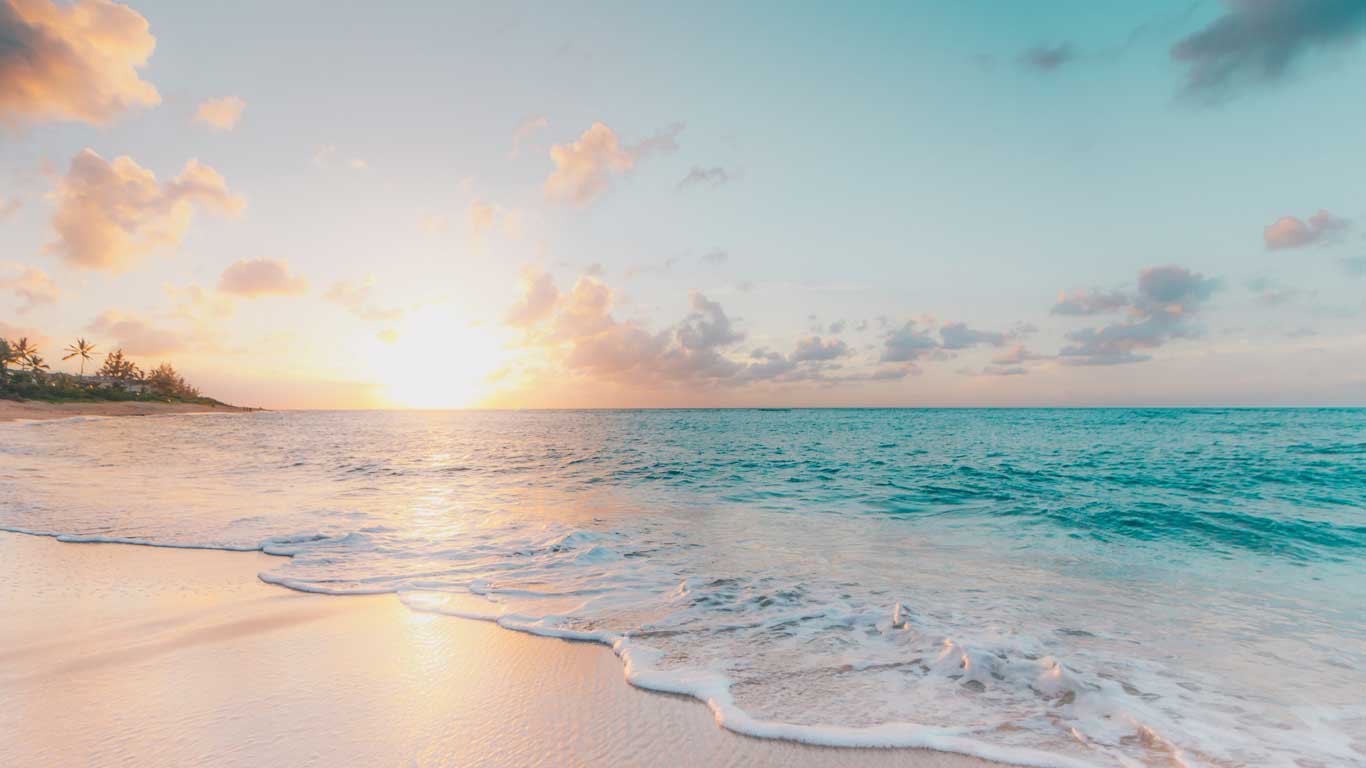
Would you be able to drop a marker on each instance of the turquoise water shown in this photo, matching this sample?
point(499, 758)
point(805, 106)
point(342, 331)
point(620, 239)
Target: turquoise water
point(1050, 587)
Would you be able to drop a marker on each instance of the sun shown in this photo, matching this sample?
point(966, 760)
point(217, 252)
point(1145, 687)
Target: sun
point(436, 359)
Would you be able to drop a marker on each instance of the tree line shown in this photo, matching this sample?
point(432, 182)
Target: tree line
point(25, 373)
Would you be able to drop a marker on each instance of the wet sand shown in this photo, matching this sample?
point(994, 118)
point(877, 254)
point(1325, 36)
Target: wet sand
point(116, 655)
point(11, 410)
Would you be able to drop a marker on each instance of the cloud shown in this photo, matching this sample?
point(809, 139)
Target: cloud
point(482, 217)
point(1290, 232)
point(434, 223)
point(29, 284)
point(960, 336)
point(1256, 42)
point(221, 114)
point(998, 370)
point(110, 215)
point(716, 256)
point(8, 206)
point(261, 277)
point(907, 344)
point(538, 299)
point(580, 337)
point(1015, 355)
point(1094, 302)
point(705, 177)
point(136, 336)
point(197, 304)
point(1012, 362)
point(573, 339)
point(325, 154)
point(817, 348)
point(15, 332)
point(584, 169)
point(1047, 59)
point(1160, 311)
point(76, 62)
point(358, 299)
point(525, 130)
point(1271, 293)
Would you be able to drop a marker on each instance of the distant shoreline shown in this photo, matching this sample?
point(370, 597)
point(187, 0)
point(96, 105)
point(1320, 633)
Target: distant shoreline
point(36, 410)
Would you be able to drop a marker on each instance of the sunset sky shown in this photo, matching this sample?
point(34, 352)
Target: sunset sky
point(445, 205)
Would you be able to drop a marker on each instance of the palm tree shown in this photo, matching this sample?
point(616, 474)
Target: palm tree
point(22, 349)
point(82, 350)
point(7, 356)
point(36, 363)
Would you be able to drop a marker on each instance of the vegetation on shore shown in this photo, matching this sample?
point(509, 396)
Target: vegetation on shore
point(25, 375)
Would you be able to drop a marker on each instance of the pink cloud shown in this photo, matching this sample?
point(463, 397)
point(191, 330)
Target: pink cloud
point(1290, 232)
point(76, 62)
point(111, 215)
point(584, 168)
point(261, 277)
point(137, 336)
point(30, 284)
point(221, 114)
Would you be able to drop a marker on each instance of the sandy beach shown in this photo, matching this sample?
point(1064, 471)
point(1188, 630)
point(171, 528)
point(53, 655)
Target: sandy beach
point(13, 410)
point(116, 655)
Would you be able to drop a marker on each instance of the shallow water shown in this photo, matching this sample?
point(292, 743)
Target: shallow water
point(1053, 587)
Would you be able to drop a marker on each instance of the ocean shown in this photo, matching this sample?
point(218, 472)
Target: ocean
point(1111, 587)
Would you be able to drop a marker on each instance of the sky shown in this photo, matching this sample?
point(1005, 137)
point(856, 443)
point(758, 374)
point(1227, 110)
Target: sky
point(417, 205)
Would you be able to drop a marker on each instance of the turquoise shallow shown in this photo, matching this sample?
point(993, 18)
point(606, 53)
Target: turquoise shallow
point(1049, 587)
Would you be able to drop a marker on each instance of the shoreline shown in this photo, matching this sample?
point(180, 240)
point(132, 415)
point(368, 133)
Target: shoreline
point(138, 614)
point(38, 410)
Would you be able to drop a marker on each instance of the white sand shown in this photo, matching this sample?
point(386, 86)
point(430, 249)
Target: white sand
point(115, 655)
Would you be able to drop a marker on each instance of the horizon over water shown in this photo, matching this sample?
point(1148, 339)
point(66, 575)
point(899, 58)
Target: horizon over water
point(1046, 586)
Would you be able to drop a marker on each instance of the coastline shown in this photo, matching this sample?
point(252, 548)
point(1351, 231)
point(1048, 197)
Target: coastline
point(129, 655)
point(36, 410)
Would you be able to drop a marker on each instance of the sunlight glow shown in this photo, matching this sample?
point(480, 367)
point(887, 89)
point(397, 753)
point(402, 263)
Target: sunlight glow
point(438, 360)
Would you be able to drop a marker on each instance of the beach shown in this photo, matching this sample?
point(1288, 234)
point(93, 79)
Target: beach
point(118, 655)
point(624, 587)
point(14, 410)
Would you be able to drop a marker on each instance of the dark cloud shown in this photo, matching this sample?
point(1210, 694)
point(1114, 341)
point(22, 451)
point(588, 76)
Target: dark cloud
point(1047, 59)
point(1259, 41)
point(1160, 311)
